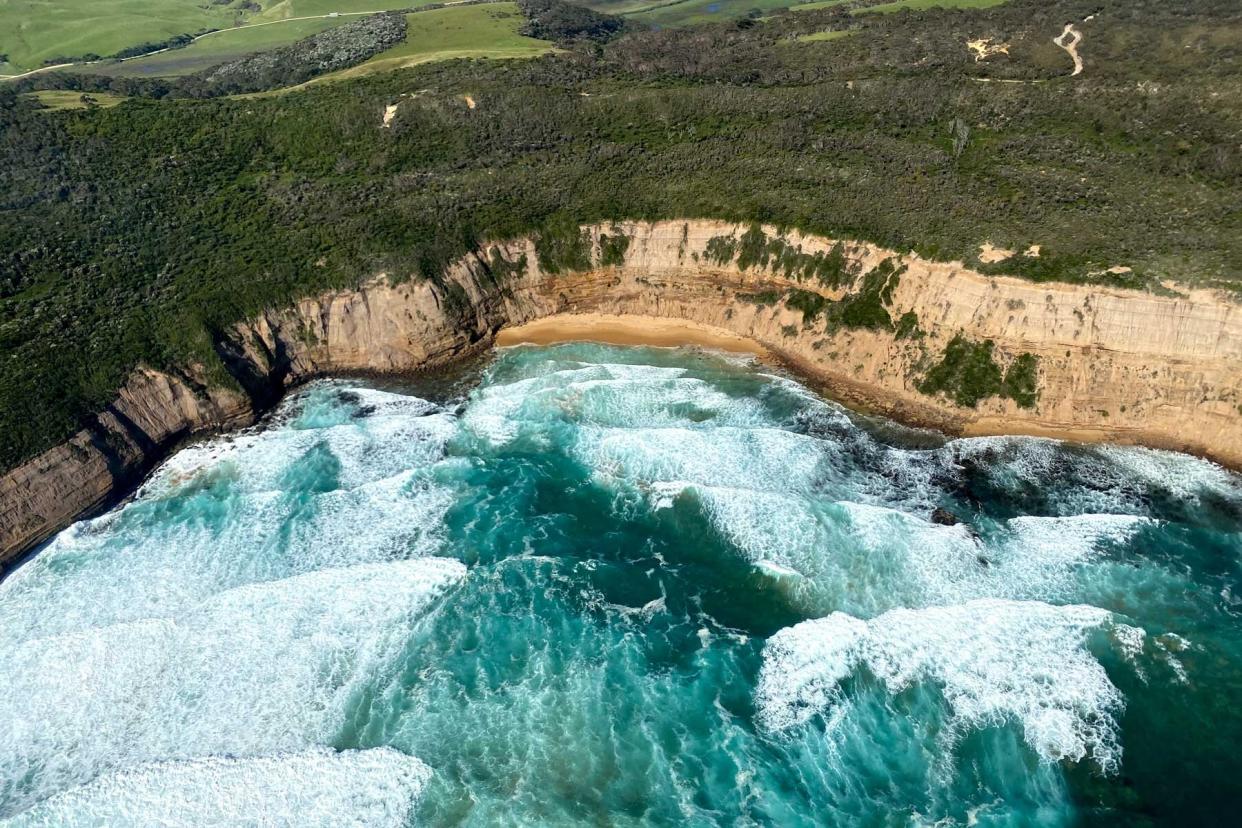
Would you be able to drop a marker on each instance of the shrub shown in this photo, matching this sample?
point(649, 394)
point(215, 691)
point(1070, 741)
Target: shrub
point(968, 373)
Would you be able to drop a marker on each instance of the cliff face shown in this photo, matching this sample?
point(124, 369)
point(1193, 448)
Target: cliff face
point(151, 412)
point(928, 342)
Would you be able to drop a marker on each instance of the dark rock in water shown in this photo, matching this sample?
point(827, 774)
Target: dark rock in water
point(943, 517)
point(983, 562)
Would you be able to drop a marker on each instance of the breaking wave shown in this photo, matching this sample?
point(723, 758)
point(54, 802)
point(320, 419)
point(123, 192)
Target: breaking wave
point(994, 661)
point(270, 666)
point(315, 788)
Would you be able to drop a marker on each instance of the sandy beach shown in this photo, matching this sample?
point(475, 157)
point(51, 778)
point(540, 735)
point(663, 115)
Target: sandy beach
point(634, 329)
point(614, 329)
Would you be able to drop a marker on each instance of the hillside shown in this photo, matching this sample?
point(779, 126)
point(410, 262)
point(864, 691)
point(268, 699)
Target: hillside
point(141, 233)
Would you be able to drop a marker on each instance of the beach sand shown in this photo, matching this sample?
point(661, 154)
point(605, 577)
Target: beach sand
point(615, 329)
point(627, 329)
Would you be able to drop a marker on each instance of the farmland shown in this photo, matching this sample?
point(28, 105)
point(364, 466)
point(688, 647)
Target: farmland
point(33, 32)
point(481, 31)
point(221, 46)
point(58, 100)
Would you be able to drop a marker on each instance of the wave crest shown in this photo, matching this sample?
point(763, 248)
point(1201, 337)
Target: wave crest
point(995, 661)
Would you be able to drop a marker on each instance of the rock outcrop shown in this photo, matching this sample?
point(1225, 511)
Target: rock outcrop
point(150, 414)
point(875, 328)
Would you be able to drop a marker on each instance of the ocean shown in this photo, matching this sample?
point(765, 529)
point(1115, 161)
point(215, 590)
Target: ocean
point(583, 584)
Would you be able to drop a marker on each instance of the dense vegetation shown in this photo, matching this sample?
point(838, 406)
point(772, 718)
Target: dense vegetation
point(564, 24)
point(866, 306)
point(316, 55)
point(755, 248)
point(142, 231)
point(968, 372)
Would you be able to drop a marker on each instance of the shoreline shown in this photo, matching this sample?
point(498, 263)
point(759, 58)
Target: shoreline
point(656, 331)
point(1110, 365)
point(626, 329)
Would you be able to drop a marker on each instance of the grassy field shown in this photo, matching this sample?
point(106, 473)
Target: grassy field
point(819, 4)
point(285, 9)
point(691, 12)
point(622, 6)
point(221, 46)
point(59, 100)
point(32, 31)
point(484, 31)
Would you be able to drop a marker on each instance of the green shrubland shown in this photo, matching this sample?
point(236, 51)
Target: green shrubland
point(143, 231)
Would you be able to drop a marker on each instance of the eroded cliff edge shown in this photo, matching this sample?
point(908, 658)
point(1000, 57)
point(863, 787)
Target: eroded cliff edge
point(926, 342)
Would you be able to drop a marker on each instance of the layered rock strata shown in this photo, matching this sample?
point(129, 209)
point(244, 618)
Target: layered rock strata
point(926, 342)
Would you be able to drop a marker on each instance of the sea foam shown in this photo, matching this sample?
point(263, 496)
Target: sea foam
point(312, 788)
point(866, 558)
point(995, 661)
point(604, 396)
point(331, 488)
point(270, 666)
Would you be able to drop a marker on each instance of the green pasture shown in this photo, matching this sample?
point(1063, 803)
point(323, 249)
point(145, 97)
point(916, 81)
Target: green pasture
point(481, 31)
point(32, 31)
point(55, 100)
point(286, 9)
point(221, 46)
point(692, 12)
point(819, 4)
point(919, 5)
point(623, 7)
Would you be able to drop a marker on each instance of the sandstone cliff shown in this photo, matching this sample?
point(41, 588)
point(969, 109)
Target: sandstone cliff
point(874, 327)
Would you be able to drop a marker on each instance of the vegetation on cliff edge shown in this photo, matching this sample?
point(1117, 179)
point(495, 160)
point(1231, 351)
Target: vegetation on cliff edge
point(144, 231)
point(968, 373)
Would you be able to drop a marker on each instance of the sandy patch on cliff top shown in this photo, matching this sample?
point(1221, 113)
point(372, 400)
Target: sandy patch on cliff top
point(614, 329)
point(984, 48)
point(990, 253)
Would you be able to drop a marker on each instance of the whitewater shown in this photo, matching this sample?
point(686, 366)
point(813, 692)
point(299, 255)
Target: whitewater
point(588, 584)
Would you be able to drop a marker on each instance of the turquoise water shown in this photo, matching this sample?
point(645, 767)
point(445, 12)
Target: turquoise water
point(590, 585)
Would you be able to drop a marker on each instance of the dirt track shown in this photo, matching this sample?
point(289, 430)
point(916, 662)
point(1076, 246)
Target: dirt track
point(1071, 46)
